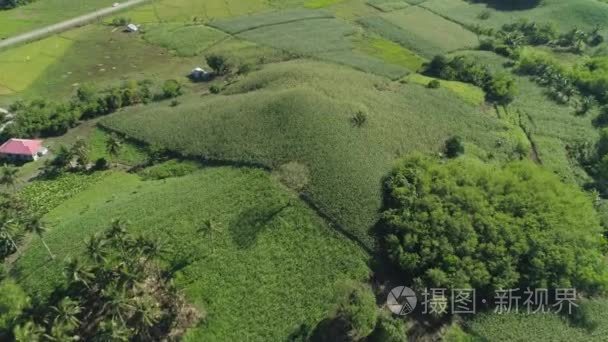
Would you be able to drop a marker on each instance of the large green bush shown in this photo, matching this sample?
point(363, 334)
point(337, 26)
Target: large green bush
point(465, 224)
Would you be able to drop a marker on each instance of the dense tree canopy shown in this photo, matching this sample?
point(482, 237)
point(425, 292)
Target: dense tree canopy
point(464, 224)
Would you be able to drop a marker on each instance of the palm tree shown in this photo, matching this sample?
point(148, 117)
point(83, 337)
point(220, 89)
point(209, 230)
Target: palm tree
point(113, 145)
point(80, 150)
point(147, 314)
point(208, 228)
point(28, 332)
point(66, 312)
point(7, 229)
point(112, 330)
point(34, 225)
point(95, 248)
point(76, 271)
point(8, 176)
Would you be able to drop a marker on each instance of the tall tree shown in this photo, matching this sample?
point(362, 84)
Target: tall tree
point(113, 145)
point(35, 226)
point(8, 176)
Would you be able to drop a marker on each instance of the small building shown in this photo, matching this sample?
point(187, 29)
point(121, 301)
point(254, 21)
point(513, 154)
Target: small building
point(132, 28)
point(200, 74)
point(22, 150)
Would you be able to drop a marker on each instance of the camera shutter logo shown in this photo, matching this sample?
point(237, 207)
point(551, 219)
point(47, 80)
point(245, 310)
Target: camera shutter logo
point(401, 300)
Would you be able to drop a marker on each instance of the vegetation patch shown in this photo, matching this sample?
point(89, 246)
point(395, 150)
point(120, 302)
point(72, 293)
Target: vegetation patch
point(467, 92)
point(23, 65)
point(388, 5)
point(169, 169)
point(185, 40)
point(304, 106)
point(221, 229)
point(320, 37)
point(390, 52)
point(246, 23)
point(422, 31)
point(320, 3)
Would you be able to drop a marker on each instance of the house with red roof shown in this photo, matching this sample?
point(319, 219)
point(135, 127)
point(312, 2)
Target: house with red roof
point(22, 149)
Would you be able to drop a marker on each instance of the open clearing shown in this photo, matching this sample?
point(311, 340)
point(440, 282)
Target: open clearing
point(269, 250)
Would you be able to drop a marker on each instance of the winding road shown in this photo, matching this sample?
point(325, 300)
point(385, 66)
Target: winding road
point(67, 24)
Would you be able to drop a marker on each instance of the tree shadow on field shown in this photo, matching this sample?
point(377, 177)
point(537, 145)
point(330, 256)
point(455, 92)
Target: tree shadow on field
point(510, 5)
point(251, 222)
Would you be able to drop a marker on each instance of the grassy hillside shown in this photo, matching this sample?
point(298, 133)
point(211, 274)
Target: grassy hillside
point(301, 111)
point(269, 253)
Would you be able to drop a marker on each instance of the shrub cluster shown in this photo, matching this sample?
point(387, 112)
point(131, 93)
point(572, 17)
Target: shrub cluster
point(40, 118)
point(500, 88)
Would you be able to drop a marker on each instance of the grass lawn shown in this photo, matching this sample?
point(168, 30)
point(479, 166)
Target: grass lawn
point(42, 13)
point(388, 5)
point(306, 107)
point(270, 253)
point(320, 3)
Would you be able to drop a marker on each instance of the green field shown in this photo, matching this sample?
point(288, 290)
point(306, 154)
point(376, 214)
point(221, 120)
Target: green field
point(469, 93)
point(306, 107)
point(184, 40)
point(565, 14)
point(543, 327)
point(22, 66)
point(421, 31)
point(42, 13)
point(269, 251)
point(333, 38)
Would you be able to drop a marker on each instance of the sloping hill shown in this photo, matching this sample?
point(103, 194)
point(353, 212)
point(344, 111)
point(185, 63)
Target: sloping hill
point(302, 111)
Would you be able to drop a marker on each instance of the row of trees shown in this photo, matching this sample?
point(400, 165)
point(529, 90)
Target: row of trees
point(8, 4)
point(16, 219)
point(500, 88)
point(511, 37)
point(39, 118)
point(118, 293)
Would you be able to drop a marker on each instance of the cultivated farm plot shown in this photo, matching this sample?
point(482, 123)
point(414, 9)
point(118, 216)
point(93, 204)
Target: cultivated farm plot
point(306, 108)
point(310, 34)
point(388, 5)
point(185, 11)
point(425, 32)
point(565, 14)
point(268, 255)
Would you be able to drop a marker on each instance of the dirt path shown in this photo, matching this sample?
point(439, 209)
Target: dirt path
point(67, 24)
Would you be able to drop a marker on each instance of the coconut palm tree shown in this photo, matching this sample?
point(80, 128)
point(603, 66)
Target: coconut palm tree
point(8, 176)
point(112, 330)
point(8, 226)
point(34, 225)
point(66, 312)
point(113, 145)
point(28, 332)
point(76, 271)
point(95, 247)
